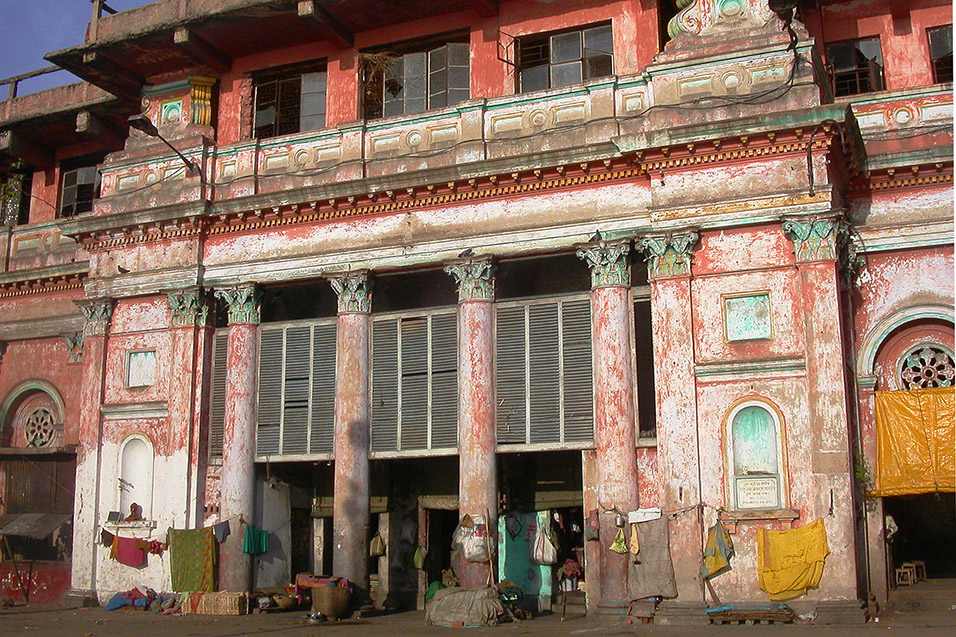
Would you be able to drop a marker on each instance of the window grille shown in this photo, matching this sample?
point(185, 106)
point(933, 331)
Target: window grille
point(543, 373)
point(856, 66)
point(553, 60)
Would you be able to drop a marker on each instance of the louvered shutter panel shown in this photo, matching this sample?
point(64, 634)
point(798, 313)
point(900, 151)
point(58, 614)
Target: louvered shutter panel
point(217, 409)
point(544, 384)
point(578, 385)
point(295, 401)
point(511, 375)
point(384, 421)
point(444, 379)
point(323, 389)
point(414, 383)
point(270, 392)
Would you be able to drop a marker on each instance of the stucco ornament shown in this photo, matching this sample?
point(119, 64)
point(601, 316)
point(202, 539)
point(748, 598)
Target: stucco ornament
point(74, 347)
point(670, 255)
point(189, 308)
point(244, 302)
point(98, 313)
point(816, 239)
point(475, 279)
point(708, 17)
point(608, 262)
point(354, 291)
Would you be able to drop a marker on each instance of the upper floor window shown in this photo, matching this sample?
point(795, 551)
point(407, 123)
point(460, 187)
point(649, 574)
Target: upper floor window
point(290, 101)
point(80, 186)
point(856, 66)
point(552, 60)
point(941, 53)
point(417, 77)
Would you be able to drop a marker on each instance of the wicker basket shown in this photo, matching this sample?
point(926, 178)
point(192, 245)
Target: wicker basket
point(331, 601)
point(223, 604)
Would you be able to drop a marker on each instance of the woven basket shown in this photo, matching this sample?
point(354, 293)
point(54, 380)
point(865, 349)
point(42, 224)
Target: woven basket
point(223, 604)
point(331, 601)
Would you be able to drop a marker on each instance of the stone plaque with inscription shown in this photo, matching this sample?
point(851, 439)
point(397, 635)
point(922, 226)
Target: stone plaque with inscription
point(757, 492)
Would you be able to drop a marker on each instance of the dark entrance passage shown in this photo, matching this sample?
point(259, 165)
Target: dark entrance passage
point(927, 531)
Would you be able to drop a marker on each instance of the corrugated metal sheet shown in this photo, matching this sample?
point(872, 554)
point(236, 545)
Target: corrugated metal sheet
point(32, 525)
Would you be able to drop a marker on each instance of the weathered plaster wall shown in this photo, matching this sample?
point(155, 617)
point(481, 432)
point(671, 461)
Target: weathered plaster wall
point(902, 207)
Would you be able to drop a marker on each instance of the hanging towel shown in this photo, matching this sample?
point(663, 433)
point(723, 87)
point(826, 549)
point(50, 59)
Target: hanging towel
point(221, 531)
point(717, 552)
point(125, 551)
point(653, 575)
point(790, 562)
point(634, 544)
point(255, 541)
point(192, 559)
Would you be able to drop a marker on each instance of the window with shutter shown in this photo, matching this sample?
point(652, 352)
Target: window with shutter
point(543, 375)
point(218, 392)
point(415, 383)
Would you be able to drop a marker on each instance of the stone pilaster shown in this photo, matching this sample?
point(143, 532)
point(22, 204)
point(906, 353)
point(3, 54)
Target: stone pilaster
point(350, 502)
point(614, 437)
point(239, 428)
point(477, 473)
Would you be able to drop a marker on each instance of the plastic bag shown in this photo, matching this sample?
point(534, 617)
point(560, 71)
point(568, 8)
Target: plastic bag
point(619, 545)
point(376, 548)
point(419, 558)
point(543, 551)
point(471, 539)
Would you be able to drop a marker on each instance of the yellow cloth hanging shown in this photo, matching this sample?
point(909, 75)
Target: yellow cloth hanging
point(634, 545)
point(789, 562)
point(915, 441)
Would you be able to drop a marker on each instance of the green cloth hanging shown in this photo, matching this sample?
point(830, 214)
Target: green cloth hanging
point(255, 541)
point(619, 545)
point(192, 559)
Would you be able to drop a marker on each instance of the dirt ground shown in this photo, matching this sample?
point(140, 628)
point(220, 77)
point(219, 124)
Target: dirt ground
point(55, 619)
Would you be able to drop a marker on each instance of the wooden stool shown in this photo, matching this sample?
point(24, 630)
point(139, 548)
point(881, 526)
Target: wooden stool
point(920, 570)
point(905, 576)
point(911, 566)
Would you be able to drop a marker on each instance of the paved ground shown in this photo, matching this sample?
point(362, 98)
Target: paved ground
point(63, 620)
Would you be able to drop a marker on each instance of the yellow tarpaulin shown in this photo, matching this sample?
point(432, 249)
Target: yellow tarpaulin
point(791, 561)
point(915, 441)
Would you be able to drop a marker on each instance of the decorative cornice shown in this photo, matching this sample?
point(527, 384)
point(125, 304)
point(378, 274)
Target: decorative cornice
point(244, 302)
point(475, 278)
point(98, 313)
point(816, 239)
point(354, 291)
point(608, 262)
point(916, 176)
point(42, 285)
point(669, 255)
point(189, 308)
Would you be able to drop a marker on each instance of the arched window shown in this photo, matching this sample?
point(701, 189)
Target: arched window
point(755, 457)
point(135, 478)
point(926, 365)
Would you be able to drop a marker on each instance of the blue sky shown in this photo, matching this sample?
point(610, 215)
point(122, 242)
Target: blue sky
point(32, 28)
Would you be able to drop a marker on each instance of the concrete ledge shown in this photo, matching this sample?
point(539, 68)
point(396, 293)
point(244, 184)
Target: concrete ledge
point(841, 612)
point(671, 613)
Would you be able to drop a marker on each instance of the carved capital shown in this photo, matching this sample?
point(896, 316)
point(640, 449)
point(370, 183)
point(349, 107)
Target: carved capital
point(74, 347)
point(243, 301)
point(608, 262)
point(475, 279)
point(200, 94)
point(816, 239)
point(354, 291)
point(670, 255)
point(189, 308)
point(98, 313)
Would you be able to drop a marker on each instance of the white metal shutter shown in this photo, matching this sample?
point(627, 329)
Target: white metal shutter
point(384, 420)
point(217, 408)
point(322, 423)
point(543, 382)
point(444, 381)
point(414, 383)
point(269, 413)
point(296, 385)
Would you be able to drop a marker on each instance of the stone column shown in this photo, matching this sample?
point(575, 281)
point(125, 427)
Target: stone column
point(613, 409)
point(818, 246)
point(189, 322)
point(237, 480)
point(86, 514)
point(350, 504)
point(669, 270)
point(477, 463)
